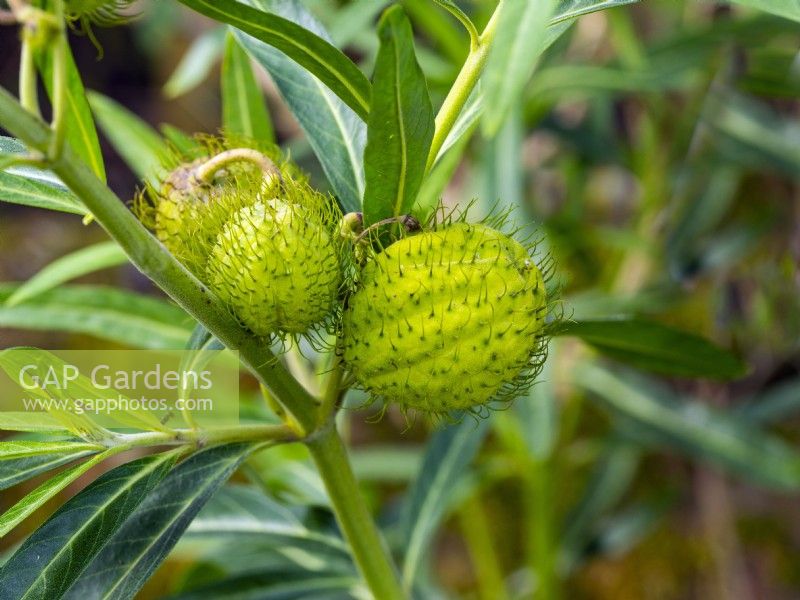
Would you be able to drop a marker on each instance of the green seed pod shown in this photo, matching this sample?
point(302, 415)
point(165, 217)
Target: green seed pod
point(275, 263)
point(446, 319)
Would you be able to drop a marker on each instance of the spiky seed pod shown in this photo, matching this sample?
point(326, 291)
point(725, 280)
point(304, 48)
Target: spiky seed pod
point(275, 263)
point(446, 319)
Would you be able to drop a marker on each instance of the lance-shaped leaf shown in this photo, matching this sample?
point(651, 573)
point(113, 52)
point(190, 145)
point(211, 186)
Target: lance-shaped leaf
point(401, 124)
point(321, 58)
point(22, 459)
point(104, 312)
point(86, 260)
point(37, 498)
point(448, 454)
point(17, 189)
point(136, 142)
point(656, 416)
point(80, 131)
point(655, 347)
point(53, 557)
point(243, 108)
point(197, 63)
point(336, 133)
point(137, 548)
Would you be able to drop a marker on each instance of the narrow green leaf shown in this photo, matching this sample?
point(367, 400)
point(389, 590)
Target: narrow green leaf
point(9, 147)
point(86, 260)
point(14, 449)
point(104, 312)
point(16, 470)
point(137, 547)
point(519, 41)
point(136, 142)
point(448, 454)
point(55, 555)
point(400, 127)
point(655, 347)
point(694, 429)
point(280, 583)
point(80, 130)
point(241, 511)
point(196, 64)
point(28, 421)
point(321, 58)
point(336, 134)
point(37, 498)
point(30, 192)
point(243, 109)
point(568, 10)
point(789, 9)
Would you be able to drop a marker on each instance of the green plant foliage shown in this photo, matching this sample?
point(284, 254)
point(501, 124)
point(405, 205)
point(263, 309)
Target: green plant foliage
point(400, 126)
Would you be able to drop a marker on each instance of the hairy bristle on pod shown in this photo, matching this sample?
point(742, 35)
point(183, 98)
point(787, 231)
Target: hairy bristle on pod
point(447, 319)
point(276, 265)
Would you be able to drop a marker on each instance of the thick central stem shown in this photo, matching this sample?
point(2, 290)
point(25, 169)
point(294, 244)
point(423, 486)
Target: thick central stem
point(370, 554)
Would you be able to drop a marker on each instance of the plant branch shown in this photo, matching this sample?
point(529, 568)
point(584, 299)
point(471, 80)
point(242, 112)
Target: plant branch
point(150, 257)
point(28, 96)
point(462, 87)
point(368, 549)
point(201, 438)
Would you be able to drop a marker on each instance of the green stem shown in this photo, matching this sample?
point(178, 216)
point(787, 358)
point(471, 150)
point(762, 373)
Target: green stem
point(60, 53)
point(368, 550)
point(225, 435)
point(543, 546)
point(28, 96)
point(478, 537)
point(462, 87)
point(158, 264)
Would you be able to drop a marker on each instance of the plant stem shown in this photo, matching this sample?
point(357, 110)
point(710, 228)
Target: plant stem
point(241, 433)
point(28, 95)
point(211, 167)
point(152, 259)
point(477, 534)
point(368, 550)
point(462, 87)
point(60, 51)
point(543, 547)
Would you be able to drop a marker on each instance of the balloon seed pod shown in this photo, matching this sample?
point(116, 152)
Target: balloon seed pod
point(256, 233)
point(452, 318)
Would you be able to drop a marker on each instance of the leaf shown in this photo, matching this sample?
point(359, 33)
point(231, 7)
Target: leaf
point(53, 557)
point(242, 511)
point(571, 9)
point(318, 56)
point(789, 9)
point(136, 142)
point(196, 64)
point(27, 421)
point(694, 429)
point(83, 261)
point(80, 130)
point(610, 479)
point(280, 583)
point(28, 192)
point(655, 347)
point(336, 134)
point(37, 498)
point(519, 41)
point(16, 449)
point(22, 460)
point(400, 127)
point(8, 148)
point(103, 312)
point(447, 456)
point(243, 108)
point(137, 547)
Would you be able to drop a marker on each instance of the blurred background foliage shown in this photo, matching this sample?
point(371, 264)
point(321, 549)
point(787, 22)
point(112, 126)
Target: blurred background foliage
point(657, 153)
